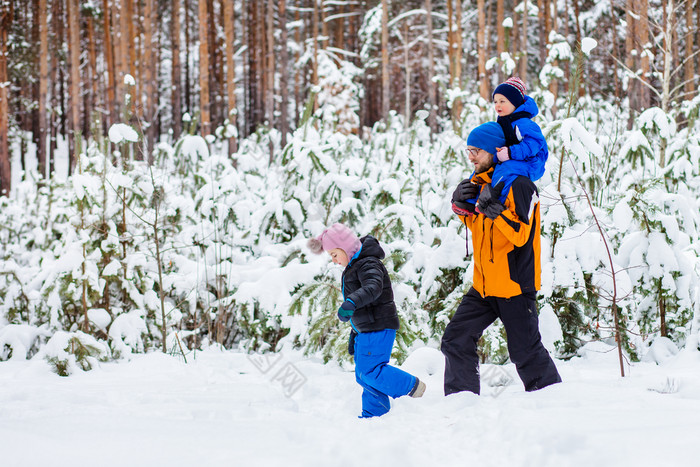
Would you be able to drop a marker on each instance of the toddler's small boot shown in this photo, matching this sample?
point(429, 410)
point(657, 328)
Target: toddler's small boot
point(418, 389)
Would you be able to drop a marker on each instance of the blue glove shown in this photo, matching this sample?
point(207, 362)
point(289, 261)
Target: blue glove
point(346, 310)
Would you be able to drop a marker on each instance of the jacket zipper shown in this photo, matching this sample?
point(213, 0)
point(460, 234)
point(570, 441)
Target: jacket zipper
point(342, 289)
point(481, 255)
point(491, 242)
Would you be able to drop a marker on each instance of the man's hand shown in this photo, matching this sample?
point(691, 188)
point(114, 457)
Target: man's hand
point(503, 154)
point(465, 190)
point(346, 310)
point(489, 205)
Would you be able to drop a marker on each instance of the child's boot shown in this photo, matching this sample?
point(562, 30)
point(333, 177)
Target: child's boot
point(418, 389)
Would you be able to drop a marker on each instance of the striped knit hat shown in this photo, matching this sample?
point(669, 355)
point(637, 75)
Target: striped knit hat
point(513, 89)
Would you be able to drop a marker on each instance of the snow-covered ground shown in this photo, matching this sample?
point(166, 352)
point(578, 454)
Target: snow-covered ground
point(230, 408)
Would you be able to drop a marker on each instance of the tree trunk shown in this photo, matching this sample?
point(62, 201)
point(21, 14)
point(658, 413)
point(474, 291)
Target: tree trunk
point(514, 41)
point(542, 31)
point(614, 52)
point(524, 44)
point(256, 56)
point(481, 47)
point(149, 20)
point(566, 33)
point(61, 20)
point(314, 42)
point(554, 84)
point(689, 60)
point(36, 40)
point(124, 46)
point(488, 33)
point(176, 95)
point(139, 72)
point(663, 331)
point(55, 76)
point(187, 88)
point(5, 174)
point(204, 106)
point(284, 73)
point(501, 33)
point(324, 25)
point(642, 30)
point(131, 54)
point(385, 59)
point(43, 86)
point(451, 47)
point(549, 13)
point(118, 48)
point(454, 46)
point(669, 27)
point(261, 53)
point(432, 97)
point(269, 86)
point(630, 54)
point(270, 68)
point(577, 20)
point(697, 37)
point(251, 63)
point(74, 49)
point(352, 41)
point(457, 43)
point(407, 80)
point(110, 104)
point(339, 37)
point(215, 62)
point(27, 91)
point(157, 67)
point(93, 101)
point(297, 71)
point(675, 40)
point(229, 20)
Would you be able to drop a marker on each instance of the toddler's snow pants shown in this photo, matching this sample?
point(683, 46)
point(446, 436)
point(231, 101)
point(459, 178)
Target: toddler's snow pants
point(378, 379)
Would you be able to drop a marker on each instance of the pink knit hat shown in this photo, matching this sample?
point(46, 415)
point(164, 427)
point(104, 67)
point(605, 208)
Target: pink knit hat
point(336, 236)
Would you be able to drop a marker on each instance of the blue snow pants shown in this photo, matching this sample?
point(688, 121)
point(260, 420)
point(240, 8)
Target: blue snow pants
point(519, 316)
point(373, 372)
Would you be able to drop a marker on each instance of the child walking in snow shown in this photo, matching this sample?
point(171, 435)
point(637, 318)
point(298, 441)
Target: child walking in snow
point(369, 307)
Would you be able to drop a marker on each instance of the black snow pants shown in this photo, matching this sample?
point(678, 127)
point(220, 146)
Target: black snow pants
point(519, 316)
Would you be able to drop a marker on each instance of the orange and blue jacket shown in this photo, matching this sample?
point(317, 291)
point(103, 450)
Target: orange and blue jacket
point(507, 249)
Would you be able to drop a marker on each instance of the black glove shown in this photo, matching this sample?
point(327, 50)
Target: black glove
point(465, 190)
point(351, 342)
point(489, 204)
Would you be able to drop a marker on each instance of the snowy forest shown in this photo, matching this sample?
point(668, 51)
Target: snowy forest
point(164, 162)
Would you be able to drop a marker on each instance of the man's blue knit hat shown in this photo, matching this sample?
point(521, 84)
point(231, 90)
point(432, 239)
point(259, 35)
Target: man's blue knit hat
point(487, 136)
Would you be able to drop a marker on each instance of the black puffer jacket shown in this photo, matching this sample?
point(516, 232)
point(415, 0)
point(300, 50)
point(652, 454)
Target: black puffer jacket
point(366, 282)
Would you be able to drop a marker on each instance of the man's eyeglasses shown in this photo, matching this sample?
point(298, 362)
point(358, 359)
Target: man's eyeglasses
point(473, 151)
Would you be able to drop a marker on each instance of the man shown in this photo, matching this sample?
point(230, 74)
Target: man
point(505, 226)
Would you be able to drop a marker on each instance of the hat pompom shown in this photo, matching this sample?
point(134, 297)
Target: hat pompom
point(315, 245)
